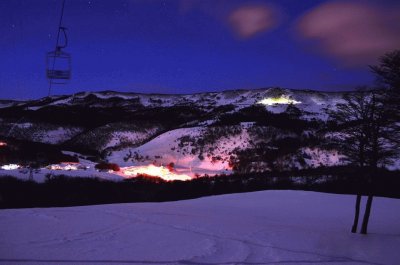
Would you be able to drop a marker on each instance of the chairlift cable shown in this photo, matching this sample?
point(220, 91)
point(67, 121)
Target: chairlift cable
point(57, 41)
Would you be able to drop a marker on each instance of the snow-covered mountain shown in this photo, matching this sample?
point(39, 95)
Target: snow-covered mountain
point(205, 133)
point(309, 99)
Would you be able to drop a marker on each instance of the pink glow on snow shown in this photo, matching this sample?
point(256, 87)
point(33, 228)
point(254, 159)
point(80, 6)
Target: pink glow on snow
point(151, 170)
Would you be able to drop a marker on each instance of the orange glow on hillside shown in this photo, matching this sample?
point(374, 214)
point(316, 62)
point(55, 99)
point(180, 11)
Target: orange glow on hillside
point(152, 170)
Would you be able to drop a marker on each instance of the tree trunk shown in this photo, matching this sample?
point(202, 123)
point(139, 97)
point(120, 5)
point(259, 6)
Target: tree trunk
point(364, 226)
point(356, 214)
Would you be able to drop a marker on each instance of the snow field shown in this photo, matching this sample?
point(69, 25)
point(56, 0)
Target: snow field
point(268, 227)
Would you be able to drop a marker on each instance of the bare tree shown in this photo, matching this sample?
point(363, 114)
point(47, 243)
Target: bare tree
point(384, 124)
point(388, 79)
point(367, 127)
point(388, 71)
point(383, 138)
point(349, 134)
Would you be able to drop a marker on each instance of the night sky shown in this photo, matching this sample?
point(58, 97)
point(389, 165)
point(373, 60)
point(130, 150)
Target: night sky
point(189, 46)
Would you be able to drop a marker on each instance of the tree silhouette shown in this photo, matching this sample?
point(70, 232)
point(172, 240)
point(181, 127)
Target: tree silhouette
point(363, 132)
point(349, 126)
point(385, 123)
point(388, 70)
point(388, 78)
point(365, 128)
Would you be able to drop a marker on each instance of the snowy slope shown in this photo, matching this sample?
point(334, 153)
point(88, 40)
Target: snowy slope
point(133, 129)
point(39, 132)
point(133, 138)
point(268, 227)
point(311, 101)
point(214, 156)
point(170, 148)
point(56, 135)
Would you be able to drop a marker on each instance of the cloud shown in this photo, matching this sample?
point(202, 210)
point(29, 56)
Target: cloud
point(354, 32)
point(248, 21)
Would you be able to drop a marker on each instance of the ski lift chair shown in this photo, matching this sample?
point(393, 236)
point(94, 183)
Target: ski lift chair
point(58, 66)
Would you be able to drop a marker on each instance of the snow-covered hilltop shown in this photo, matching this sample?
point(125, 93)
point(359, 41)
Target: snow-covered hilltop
point(205, 133)
point(307, 100)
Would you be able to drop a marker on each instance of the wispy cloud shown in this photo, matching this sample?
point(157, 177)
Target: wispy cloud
point(248, 21)
point(356, 33)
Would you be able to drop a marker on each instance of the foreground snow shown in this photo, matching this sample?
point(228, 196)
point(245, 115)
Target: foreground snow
point(269, 227)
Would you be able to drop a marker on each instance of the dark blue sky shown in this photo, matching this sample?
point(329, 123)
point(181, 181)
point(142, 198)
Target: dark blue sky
point(185, 46)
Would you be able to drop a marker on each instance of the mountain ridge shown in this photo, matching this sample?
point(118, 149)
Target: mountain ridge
point(204, 133)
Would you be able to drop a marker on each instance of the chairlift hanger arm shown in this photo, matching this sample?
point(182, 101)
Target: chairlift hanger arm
point(55, 73)
point(64, 30)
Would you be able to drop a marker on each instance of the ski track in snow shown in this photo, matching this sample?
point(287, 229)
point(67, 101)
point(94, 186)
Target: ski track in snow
point(229, 229)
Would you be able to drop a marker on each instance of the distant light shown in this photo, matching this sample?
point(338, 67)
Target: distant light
point(66, 166)
point(10, 167)
point(278, 101)
point(154, 171)
point(70, 167)
point(2, 144)
point(54, 167)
